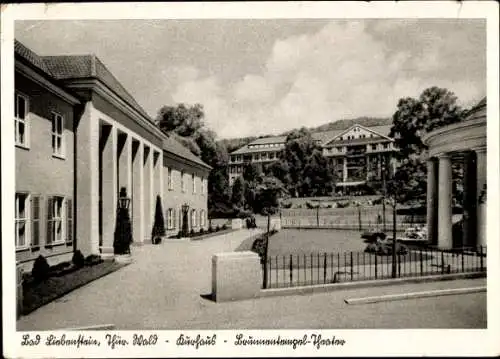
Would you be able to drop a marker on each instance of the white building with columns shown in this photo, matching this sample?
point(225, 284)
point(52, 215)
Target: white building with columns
point(464, 141)
point(102, 140)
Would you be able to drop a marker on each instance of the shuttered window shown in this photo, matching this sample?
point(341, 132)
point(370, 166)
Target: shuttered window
point(69, 220)
point(50, 223)
point(21, 220)
point(56, 220)
point(35, 220)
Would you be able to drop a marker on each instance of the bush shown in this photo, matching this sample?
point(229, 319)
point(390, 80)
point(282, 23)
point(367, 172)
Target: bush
point(202, 231)
point(286, 204)
point(60, 266)
point(250, 222)
point(224, 226)
point(41, 269)
point(78, 259)
point(191, 233)
point(217, 228)
point(210, 229)
point(159, 223)
point(93, 259)
point(258, 246)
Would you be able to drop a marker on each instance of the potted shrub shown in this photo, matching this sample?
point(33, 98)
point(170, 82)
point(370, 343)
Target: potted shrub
point(159, 223)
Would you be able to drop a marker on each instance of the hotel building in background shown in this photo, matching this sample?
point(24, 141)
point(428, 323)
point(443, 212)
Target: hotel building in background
point(358, 154)
point(80, 137)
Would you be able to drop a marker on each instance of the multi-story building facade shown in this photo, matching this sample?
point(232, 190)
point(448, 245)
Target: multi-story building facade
point(261, 151)
point(80, 137)
point(359, 154)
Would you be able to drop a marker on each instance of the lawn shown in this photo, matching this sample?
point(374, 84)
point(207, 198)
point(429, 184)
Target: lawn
point(307, 241)
point(36, 295)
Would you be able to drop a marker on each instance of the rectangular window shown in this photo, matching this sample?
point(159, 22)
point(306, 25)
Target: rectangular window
point(170, 218)
point(57, 135)
point(183, 187)
point(21, 129)
point(374, 147)
point(193, 179)
point(202, 185)
point(21, 220)
point(56, 220)
point(35, 220)
point(193, 217)
point(169, 179)
point(386, 146)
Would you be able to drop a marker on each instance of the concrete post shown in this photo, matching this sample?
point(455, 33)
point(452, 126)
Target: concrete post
point(236, 276)
point(432, 201)
point(445, 239)
point(481, 195)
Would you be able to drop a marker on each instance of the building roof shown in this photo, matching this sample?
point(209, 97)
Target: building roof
point(478, 110)
point(171, 145)
point(31, 57)
point(268, 140)
point(89, 66)
point(323, 137)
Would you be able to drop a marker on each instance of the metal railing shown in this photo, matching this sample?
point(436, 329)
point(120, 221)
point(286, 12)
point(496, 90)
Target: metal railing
point(327, 268)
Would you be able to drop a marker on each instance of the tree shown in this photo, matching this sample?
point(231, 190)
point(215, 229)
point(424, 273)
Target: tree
point(238, 191)
point(251, 172)
point(298, 149)
point(183, 119)
point(434, 108)
point(318, 179)
point(185, 123)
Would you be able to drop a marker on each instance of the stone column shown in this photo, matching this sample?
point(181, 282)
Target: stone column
point(469, 201)
point(147, 156)
point(481, 195)
point(109, 191)
point(138, 192)
point(367, 167)
point(445, 239)
point(87, 154)
point(432, 201)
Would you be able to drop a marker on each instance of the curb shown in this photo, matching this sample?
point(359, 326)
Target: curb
point(93, 327)
point(414, 295)
point(322, 288)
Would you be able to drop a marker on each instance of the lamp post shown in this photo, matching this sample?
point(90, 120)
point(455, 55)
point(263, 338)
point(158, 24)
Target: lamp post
point(185, 227)
point(123, 229)
point(394, 257)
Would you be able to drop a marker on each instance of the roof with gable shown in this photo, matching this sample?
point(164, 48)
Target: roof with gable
point(68, 67)
point(171, 145)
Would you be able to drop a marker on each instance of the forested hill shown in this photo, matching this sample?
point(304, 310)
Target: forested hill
point(345, 124)
point(233, 144)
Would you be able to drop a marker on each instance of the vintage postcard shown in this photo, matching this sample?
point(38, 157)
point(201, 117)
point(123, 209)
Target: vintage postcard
point(250, 179)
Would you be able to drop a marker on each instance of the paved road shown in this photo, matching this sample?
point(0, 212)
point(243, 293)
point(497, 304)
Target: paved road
point(162, 290)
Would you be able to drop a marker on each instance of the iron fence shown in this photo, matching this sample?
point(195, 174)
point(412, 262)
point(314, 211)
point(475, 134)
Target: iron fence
point(326, 268)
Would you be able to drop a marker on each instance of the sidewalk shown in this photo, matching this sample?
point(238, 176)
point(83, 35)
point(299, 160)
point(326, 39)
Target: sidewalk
point(162, 290)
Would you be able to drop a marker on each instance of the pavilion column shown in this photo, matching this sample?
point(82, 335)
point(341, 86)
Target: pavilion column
point(109, 190)
point(481, 195)
point(432, 201)
point(445, 238)
point(469, 201)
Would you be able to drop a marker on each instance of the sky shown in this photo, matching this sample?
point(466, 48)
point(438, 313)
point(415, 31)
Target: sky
point(257, 77)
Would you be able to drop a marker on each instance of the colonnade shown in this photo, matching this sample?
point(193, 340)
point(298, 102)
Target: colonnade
point(127, 160)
